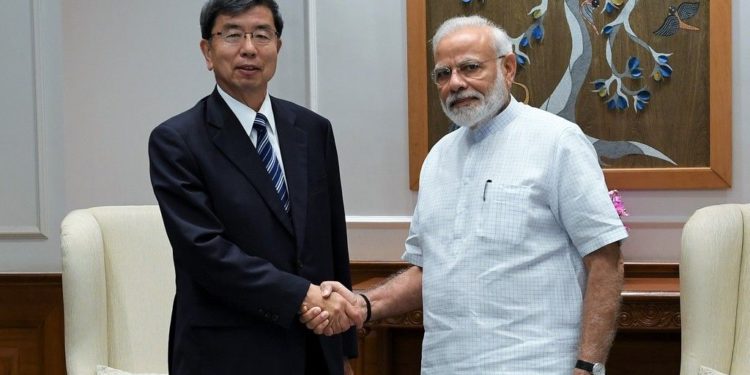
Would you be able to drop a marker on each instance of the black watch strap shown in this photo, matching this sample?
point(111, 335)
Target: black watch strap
point(583, 365)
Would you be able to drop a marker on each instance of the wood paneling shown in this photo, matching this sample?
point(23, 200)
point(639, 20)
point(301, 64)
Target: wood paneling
point(8, 361)
point(31, 324)
point(641, 353)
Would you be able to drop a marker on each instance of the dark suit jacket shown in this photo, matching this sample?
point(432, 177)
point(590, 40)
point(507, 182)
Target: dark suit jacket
point(243, 265)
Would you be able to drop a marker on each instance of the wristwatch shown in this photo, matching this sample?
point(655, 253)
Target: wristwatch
point(593, 368)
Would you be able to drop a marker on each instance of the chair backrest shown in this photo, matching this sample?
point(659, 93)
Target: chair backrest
point(118, 287)
point(715, 290)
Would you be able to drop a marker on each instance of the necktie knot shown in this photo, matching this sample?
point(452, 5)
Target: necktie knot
point(260, 123)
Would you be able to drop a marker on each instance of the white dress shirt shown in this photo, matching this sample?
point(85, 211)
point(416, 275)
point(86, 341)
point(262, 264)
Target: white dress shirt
point(246, 115)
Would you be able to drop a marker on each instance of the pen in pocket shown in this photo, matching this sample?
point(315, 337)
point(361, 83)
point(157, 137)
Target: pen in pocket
point(484, 193)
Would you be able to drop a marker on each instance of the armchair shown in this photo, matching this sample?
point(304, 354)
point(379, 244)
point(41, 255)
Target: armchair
point(118, 287)
point(715, 290)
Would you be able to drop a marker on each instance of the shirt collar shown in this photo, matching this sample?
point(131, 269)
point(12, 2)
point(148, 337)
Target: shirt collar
point(505, 117)
point(246, 115)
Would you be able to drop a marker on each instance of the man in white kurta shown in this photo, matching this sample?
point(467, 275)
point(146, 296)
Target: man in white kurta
point(506, 212)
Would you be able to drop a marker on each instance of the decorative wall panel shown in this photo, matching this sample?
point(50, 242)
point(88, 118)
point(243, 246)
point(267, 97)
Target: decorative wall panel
point(20, 133)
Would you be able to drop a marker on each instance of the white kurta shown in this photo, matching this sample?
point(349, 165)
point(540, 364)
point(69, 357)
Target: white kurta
point(504, 216)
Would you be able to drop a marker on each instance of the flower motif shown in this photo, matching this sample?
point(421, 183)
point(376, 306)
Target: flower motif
point(521, 59)
point(524, 41)
point(617, 101)
point(640, 99)
point(614, 196)
point(662, 69)
point(661, 72)
point(538, 32)
point(609, 7)
point(612, 5)
point(538, 11)
point(600, 87)
point(634, 67)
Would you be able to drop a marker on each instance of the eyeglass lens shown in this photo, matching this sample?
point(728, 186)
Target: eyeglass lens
point(258, 36)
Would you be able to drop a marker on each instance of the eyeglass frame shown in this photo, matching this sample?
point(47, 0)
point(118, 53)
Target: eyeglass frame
point(458, 69)
point(244, 34)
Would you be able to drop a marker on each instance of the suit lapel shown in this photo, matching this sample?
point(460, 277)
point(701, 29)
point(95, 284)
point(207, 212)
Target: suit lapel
point(230, 138)
point(293, 143)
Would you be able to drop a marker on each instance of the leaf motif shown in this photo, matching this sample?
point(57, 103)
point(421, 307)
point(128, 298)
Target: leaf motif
point(524, 41)
point(521, 60)
point(622, 102)
point(633, 62)
point(538, 32)
point(665, 70)
point(611, 104)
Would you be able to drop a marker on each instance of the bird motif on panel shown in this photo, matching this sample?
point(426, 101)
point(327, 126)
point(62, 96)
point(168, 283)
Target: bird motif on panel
point(676, 19)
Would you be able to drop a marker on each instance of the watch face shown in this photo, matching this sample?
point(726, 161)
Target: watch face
point(598, 369)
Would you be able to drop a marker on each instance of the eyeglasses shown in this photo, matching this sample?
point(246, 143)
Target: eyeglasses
point(260, 37)
point(466, 69)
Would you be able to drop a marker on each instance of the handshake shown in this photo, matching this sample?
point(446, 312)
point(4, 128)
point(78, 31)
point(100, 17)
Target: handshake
point(331, 308)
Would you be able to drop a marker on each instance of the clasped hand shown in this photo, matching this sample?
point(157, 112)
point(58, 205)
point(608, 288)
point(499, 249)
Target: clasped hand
point(330, 309)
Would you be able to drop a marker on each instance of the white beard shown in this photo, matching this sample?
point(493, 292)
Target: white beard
point(475, 114)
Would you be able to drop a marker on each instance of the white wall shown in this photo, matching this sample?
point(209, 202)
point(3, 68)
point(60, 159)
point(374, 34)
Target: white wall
point(112, 70)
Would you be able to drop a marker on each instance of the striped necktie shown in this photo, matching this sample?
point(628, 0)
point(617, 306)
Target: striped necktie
point(265, 151)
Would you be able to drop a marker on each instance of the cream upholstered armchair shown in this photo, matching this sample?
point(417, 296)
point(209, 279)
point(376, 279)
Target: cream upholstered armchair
point(118, 287)
point(715, 291)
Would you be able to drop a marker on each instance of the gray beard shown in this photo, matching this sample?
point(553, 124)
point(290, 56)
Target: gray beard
point(486, 109)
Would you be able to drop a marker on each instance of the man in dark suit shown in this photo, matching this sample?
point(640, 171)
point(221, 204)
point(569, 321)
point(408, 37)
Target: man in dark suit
point(249, 189)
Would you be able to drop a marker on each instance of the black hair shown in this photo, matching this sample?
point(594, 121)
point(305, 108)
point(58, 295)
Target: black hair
point(214, 8)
